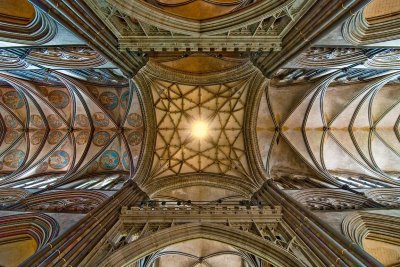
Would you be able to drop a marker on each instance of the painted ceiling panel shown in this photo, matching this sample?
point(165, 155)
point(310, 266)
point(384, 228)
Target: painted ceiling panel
point(73, 135)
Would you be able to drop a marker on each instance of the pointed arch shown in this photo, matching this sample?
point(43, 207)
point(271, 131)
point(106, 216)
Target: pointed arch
point(248, 242)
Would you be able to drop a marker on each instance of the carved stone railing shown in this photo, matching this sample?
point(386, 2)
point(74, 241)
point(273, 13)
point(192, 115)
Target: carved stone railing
point(205, 213)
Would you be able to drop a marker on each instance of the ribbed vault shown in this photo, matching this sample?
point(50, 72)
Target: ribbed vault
point(336, 129)
point(183, 96)
point(199, 132)
point(63, 133)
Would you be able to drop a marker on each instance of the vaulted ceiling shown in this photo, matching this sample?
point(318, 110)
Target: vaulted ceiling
point(198, 100)
point(202, 88)
point(334, 128)
point(56, 126)
point(129, 108)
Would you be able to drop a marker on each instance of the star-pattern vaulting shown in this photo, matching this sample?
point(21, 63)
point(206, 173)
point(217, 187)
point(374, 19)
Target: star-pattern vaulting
point(178, 107)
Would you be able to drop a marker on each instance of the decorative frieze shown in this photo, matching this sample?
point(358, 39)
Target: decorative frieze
point(388, 197)
point(205, 213)
point(332, 199)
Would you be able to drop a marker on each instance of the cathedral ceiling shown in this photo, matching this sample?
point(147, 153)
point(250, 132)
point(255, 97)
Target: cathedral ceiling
point(303, 122)
point(338, 122)
point(185, 93)
point(200, 100)
point(72, 103)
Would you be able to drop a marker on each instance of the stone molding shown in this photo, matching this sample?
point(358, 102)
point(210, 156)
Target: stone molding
point(358, 31)
point(371, 225)
point(40, 30)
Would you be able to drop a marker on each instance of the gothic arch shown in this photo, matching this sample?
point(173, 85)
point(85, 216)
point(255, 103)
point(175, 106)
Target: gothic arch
point(198, 261)
point(41, 227)
point(362, 224)
point(155, 16)
point(38, 29)
point(368, 26)
point(237, 185)
point(376, 233)
point(244, 241)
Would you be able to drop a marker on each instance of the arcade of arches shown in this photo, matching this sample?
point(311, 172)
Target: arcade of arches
point(200, 133)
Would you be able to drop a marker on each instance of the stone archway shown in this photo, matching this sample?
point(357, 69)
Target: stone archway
point(245, 241)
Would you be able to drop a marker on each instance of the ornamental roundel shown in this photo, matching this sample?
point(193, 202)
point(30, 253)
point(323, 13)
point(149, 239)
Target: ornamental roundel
point(37, 121)
point(124, 99)
point(82, 137)
point(82, 120)
point(10, 137)
point(55, 137)
point(100, 119)
point(94, 92)
point(14, 158)
point(54, 121)
point(109, 160)
point(59, 159)
point(10, 121)
point(101, 138)
point(13, 100)
point(135, 138)
point(37, 137)
point(59, 99)
point(135, 120)
point(42, 167)
point(125, 160)
point(92, 167)
point(109, 100)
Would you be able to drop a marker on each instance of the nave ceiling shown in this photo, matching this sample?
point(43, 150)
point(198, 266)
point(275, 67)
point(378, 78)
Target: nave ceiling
point(67, 114)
